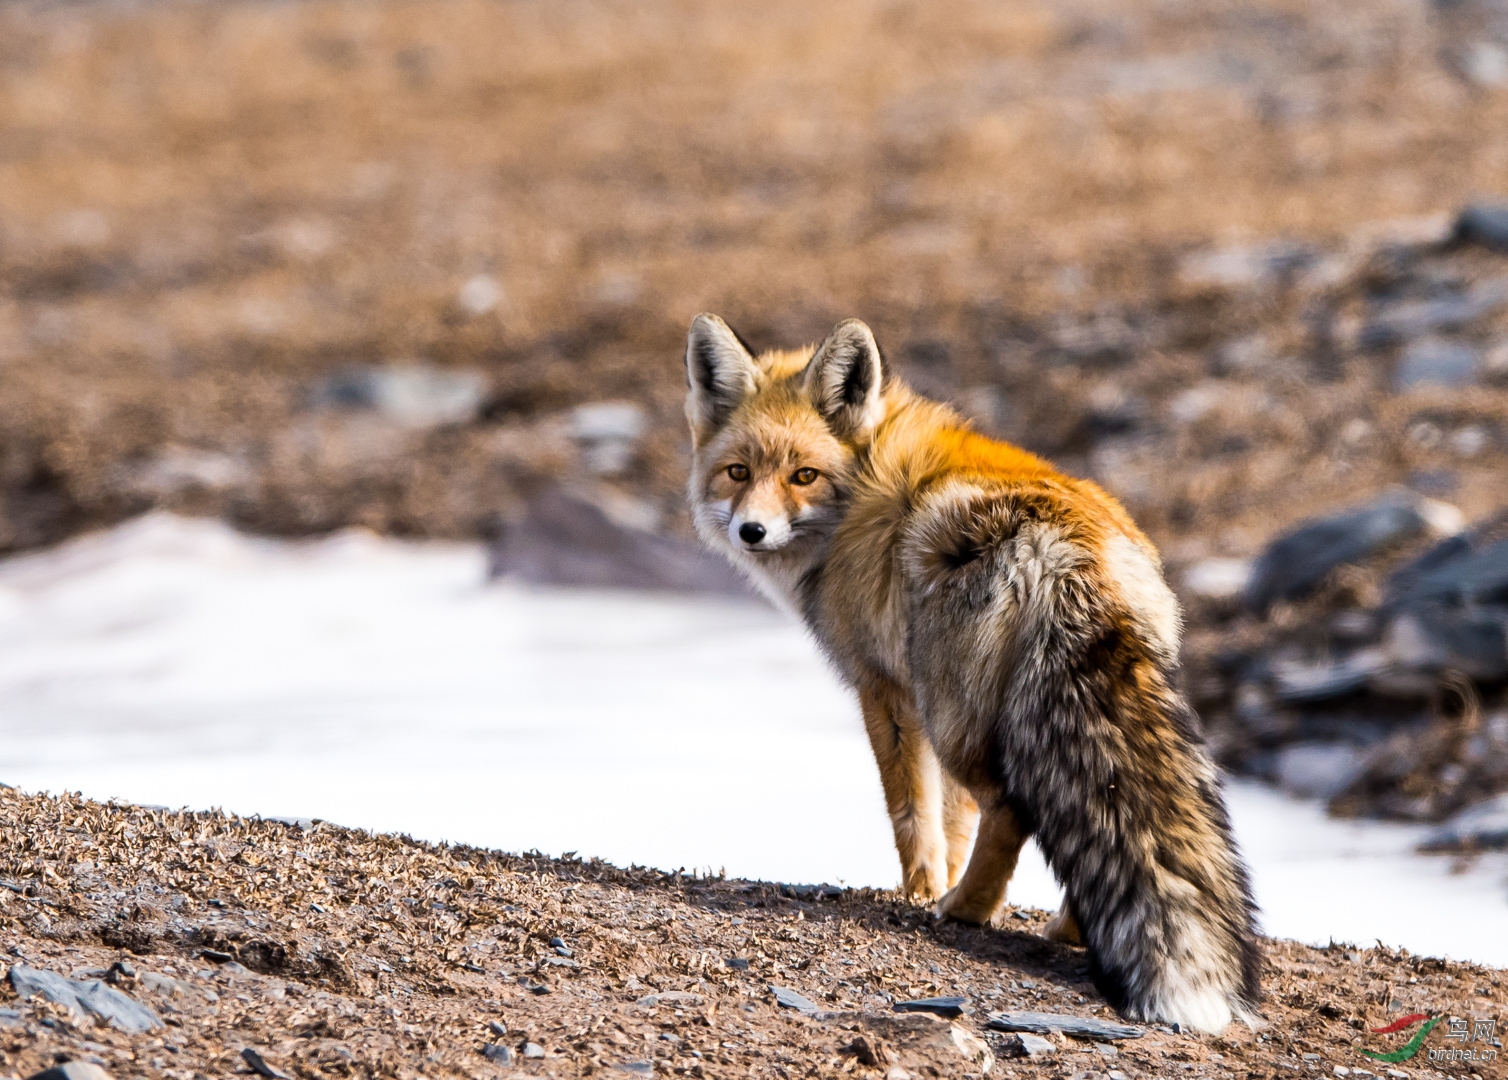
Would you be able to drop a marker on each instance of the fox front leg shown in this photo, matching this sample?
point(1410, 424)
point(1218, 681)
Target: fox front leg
point(913, 783)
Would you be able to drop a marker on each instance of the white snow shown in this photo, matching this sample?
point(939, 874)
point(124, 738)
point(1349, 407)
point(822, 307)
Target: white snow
point(387, 685)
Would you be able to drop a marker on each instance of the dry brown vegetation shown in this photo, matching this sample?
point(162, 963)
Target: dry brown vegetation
point(335, 953)
point(206, 207)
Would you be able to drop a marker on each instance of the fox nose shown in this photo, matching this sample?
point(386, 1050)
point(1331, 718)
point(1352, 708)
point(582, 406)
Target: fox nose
point(751, 532)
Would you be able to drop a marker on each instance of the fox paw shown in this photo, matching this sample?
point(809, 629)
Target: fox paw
point(958, 907)
point(1063, 927)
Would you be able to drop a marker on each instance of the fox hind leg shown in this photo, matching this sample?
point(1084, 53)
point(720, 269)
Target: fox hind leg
point(960, 815)
point(978, 895)
point(913, 784)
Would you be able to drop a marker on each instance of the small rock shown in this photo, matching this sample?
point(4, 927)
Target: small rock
point(11, 1018)
point(1028, 1045)
point(737, 963)
point(1482, 826)
point(636, 1068)
point(790, 999)
point(557, 943)
point(1218, 579)
point(682, 999)
point(498, 1054)
point(412, 395)
point(937, 1006)
point(1485, 63)
point(1105, 1050)
point(1083, 1027)
point(609, 433)
point(895, 1072)
point(479, 295)
point(1436, 363)
point(1116, 1074)
point(1318, 770)
point(497, 1027)
point(259, 1065)
point(215, 956)
point(533, 1050)
point(72, 1070)
point(1341, 1070)
point(1484, 224)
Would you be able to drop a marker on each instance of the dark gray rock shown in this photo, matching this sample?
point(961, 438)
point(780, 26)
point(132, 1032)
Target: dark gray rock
point(258, 1064)
point(1041, 1023)
point(737, 963)
point(1483, 826)
point(1470, 567)
point(497, 1027)
point(1433, 637)
point(790, 999)
point(937, 1006)
point(566, 539)
point(1436, 363)
point(72, 1070)
point(85, 998)
point(498, 1054)
point(810, 892)
point(1484, 224)
point(1300, 559)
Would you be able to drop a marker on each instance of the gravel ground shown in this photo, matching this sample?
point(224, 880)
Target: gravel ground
point(332, 952)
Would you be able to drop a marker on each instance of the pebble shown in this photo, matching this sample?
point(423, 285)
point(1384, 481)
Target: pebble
point(1218, 579)
point(498, 1054)
point(259, 1065)
point(790, 999)
point(72, 1070)
point(636, 1068)
point(412, 395)
point(533, 1050)
point(737, 963)
point(1436, 363)
point(1483, 825)
point(497, 1027)
point(1028, 1045)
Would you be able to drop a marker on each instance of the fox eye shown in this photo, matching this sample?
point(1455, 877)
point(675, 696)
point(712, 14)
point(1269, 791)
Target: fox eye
point(804, 476)
point(738, 472)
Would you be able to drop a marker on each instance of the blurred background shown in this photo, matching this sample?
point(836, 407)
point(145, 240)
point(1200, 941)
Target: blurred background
point(422, 270)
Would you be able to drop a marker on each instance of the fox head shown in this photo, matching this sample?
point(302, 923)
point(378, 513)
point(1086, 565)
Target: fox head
point(775, 437)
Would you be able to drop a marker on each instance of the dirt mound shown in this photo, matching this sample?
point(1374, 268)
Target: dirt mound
point(332, 952)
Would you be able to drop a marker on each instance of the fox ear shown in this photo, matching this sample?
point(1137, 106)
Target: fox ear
point(844, 379)
point(719, 372)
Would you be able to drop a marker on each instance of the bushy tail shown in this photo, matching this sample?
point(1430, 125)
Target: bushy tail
point(1068, 673)
point(1105, 762)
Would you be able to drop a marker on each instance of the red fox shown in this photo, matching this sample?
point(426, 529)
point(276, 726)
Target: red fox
point(1013, 644)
